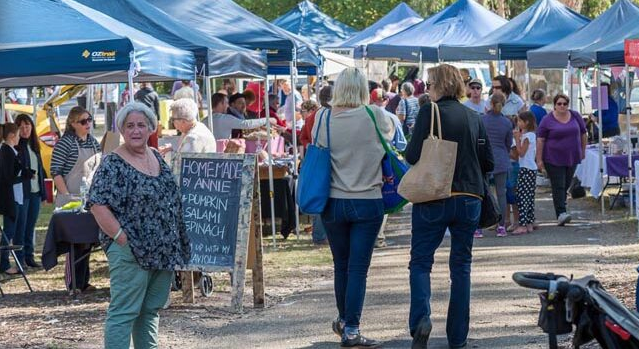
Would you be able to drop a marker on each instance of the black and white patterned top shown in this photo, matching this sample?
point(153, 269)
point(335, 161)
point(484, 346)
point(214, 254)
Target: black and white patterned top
point(149, 210)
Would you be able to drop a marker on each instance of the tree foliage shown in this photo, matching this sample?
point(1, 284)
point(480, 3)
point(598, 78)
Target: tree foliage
point(361, 13)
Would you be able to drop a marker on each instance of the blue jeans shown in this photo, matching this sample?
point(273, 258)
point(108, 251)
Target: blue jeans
point(319, 231)
point(14, 231)
point(32, 208)
point(352, 226)
point(461, 215)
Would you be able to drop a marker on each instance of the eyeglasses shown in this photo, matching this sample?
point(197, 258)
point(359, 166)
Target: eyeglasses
point(84, 122)
point(563, 104)
point(175, 119)
point(475, 87)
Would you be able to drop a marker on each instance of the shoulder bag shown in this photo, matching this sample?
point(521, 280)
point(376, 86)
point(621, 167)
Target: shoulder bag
point(314, 184)
point(431, 178)
point(393, 169)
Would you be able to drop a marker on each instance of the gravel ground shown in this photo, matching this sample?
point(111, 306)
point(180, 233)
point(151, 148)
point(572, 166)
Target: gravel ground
point(300, 303)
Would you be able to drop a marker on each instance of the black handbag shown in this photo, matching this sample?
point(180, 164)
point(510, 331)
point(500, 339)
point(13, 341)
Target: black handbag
point(490, 214)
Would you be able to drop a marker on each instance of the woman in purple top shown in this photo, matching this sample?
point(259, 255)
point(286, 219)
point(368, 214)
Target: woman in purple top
point(561, 145)
point(500, 135)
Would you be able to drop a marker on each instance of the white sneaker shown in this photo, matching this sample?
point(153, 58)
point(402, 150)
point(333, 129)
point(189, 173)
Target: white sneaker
point(563, 219)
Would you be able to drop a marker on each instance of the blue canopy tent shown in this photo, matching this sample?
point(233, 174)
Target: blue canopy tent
point(231, 22)
point(217, 57)
point(557, 54)
point(75, 47)
point(398, 19)
point(610, 52)
point(545, 22)
point(307, 20)
point(463, 22)
point(606, 52)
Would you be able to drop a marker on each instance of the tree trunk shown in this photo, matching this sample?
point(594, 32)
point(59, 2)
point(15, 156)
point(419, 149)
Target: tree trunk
point(501, 8)
point(574, 4)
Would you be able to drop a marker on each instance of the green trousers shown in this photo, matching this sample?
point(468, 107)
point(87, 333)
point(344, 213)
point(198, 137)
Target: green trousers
point(137, 295)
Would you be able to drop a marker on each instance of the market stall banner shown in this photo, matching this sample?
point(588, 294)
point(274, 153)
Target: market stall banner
point(631, 52)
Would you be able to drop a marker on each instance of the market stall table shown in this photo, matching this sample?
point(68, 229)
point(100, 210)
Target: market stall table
point(588, 171)
point(284, 198)
point(67, 229)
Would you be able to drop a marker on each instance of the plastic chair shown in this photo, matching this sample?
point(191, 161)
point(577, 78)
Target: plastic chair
point(12, 250)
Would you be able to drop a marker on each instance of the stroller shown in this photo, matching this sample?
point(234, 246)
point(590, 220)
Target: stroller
point(595, 313)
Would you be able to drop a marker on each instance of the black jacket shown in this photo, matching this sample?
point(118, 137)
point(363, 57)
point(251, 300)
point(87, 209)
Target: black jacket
point(149, 98)
point(23, 154)
point(464, 126)
point(10, 167)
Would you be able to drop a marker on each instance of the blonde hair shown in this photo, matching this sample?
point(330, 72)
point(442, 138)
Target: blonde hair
point(446, 81)
point(351, 89)
point(497, 101)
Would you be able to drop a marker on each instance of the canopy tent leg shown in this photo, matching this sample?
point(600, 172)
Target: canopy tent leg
point(528, 93)
point(600, 127)
point(209, 94)
point(130, 76)
point(570, 86)
point(295, 154)
point(34, 91)
point(271, 186)
point(2, 101)
point(629, 151)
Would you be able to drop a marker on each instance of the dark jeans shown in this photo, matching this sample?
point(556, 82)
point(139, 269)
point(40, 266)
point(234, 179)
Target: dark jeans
point(560, 178)
point(14, 232)
point(111, 109)
point(351, 227)
point(32, 208)
point(460, 214)
point(500, 180)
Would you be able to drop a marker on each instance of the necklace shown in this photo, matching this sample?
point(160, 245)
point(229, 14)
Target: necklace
point(144, 165)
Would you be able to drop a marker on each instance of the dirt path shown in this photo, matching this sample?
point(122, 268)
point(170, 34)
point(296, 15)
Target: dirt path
point(301, 302)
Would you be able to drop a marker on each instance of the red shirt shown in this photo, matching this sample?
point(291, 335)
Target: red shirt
point(273, 114)
point(305, 135)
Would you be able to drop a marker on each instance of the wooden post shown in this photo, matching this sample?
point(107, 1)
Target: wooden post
point(256, 232)
point(187, 287)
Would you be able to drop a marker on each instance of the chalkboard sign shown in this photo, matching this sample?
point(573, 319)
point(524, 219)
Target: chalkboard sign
point(216, 194)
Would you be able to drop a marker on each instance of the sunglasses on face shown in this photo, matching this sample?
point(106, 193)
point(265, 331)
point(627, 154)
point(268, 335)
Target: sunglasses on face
point(562, 104)
point(84, 122)
point(475, 87)
point(429, 84)
point(496, 87)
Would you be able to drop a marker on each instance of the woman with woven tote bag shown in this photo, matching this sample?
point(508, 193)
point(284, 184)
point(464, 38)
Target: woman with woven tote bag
point(458, 210)
point(354, 210)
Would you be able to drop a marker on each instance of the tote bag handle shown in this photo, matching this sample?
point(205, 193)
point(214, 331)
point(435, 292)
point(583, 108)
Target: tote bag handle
point(434, 111)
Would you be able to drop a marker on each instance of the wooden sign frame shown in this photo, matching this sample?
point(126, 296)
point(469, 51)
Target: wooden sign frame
point(245, 224)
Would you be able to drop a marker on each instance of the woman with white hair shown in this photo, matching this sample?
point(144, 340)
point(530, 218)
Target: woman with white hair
point(136, 202)
point(195, 138)
point(408, 108)
point(355, 210)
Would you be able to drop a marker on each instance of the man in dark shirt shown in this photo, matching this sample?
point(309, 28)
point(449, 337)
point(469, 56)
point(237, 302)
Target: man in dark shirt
point(147, 96)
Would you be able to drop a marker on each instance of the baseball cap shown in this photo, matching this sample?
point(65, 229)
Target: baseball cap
point(475, 81)
point(377, 95)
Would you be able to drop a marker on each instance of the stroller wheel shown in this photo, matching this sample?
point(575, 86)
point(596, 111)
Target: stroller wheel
point(206, 285)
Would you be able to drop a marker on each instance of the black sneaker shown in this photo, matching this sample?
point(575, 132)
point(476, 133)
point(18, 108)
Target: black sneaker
point(359, 341)
point(422, 333)
point(338, 327)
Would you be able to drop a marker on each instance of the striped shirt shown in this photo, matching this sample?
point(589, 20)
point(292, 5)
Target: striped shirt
point(65, 153)
point(409, 107)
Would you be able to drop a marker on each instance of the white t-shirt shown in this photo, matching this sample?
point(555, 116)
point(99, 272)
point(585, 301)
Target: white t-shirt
point(480, 108)
point(528, 160)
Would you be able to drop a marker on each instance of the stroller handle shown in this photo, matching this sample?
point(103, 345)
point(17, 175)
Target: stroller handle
point(537, 281)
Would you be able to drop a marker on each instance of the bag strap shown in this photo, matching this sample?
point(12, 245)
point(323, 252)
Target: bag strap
point(434, 111)
point(379, 134)
point(319, 126)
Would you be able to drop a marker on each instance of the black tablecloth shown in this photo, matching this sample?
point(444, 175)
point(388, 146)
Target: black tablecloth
point(284, 190)
point(64, 229)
